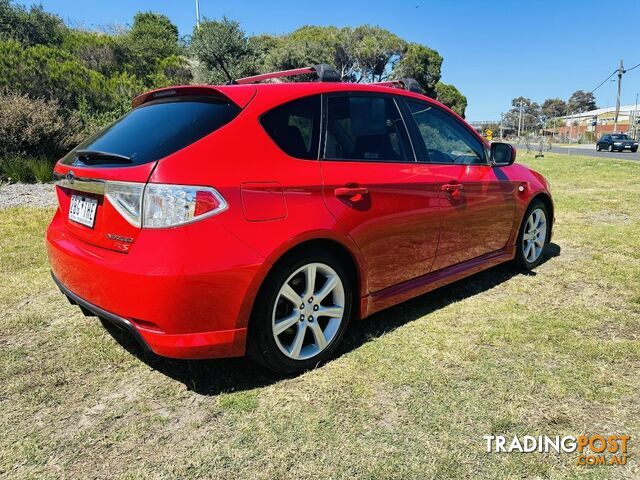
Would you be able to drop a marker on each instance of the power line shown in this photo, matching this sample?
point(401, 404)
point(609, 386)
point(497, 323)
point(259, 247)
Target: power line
point(629, 69)
point(605, 80)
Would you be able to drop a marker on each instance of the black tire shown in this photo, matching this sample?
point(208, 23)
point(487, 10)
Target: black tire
point(611, 148)
point(634, 150)
point(261, 344)
point(520, 259)
point(598, 148)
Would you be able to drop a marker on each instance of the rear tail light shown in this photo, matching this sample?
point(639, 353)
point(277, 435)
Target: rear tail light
point(171, 205)
point(126, 198)
point(160, 206)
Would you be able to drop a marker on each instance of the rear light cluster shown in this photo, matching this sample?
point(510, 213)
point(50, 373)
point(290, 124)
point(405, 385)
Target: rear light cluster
point(157, 205)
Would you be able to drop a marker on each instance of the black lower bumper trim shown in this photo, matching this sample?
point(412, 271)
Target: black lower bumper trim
point(119, 322)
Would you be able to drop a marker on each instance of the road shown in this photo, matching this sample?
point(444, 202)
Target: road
point(589, 152)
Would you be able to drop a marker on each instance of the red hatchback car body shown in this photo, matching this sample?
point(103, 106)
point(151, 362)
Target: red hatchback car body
point(202, 218)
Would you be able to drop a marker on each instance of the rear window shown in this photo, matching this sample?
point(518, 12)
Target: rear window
point(154, 130)
point(295, 127)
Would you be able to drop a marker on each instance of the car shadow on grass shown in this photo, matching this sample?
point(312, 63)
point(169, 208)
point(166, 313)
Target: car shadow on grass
point(212, 377)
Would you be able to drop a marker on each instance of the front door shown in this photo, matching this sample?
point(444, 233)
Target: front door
point(377, 192)
point(477, 201)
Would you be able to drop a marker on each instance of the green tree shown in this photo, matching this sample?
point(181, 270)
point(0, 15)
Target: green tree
point(51, 73)
point(30, 27)
point(423, 64)
point(152, 38)
point(222, 41)
point(451, 97)
point(581, 101)
point(531, 115)
point(554, 107)
point(307, 46)
point(375, 52)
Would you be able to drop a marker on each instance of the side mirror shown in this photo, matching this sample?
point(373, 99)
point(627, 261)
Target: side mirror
point(502, 154)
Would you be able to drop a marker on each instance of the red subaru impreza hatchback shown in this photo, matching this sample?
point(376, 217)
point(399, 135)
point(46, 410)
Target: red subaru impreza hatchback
point(214, 221)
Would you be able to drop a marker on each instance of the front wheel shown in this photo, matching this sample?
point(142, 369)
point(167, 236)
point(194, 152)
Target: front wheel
point(533, 236)
point(611, 148)
point(598, 148)
point(301, 312)
point(634, 150)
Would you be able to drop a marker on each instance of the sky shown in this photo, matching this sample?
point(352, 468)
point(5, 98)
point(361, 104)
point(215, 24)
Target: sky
point(493, 51)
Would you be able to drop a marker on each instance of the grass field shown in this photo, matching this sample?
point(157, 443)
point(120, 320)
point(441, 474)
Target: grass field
point(554, 352)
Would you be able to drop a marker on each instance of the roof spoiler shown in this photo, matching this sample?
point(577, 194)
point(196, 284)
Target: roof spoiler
point(324, 72)
point(239, 96)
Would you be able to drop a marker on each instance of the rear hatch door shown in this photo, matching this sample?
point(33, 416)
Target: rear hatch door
point(162, 123)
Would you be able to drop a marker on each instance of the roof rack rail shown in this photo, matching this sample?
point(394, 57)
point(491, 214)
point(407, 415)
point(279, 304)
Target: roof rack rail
point(324, 72)
point(404, 83)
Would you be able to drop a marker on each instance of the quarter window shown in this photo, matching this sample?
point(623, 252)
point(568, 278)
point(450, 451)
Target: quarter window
point(445, 140)
point(365, 128)
point(295, 127)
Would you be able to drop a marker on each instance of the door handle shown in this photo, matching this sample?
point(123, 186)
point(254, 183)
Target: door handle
point(351, 191)
point(452, 187)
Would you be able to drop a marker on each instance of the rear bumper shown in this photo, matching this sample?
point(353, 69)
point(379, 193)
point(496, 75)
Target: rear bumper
point(227, 343)
point(119, 322)
point(175, 296)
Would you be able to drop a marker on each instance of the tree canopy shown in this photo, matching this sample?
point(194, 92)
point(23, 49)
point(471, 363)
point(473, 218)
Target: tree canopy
point(85, 79)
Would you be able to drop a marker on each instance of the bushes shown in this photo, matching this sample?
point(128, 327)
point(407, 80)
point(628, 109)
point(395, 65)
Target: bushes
point(41, 169)
point(36, 127)
point(16, 168)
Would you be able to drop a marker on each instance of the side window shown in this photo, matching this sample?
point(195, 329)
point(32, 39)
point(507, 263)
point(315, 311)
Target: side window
point(445, 140)
point(295, 127)
point(366, 128)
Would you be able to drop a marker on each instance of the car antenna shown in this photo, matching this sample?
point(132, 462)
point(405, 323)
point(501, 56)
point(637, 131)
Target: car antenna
point(230, 80)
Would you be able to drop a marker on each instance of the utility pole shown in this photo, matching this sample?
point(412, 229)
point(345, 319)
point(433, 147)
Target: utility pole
point(635, 119)
point(198, 14)
point(620, 72)
point(520, 125)
point(502, 120)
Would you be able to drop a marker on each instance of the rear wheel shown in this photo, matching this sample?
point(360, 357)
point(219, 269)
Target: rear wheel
point(301, 312)
point(533, 236)
point(598, 148)
point(611, 148)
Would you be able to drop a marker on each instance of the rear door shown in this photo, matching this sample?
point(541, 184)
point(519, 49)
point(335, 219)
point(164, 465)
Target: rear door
point(376, 190)
point(477, 201)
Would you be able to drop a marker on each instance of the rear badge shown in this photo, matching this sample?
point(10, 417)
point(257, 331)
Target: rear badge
point(119, 238)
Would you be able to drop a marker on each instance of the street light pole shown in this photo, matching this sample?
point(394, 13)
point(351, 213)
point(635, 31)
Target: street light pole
point(198, 14)
point(502, 120)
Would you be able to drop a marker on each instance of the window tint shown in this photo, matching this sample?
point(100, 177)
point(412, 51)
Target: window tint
point(295, 127)
point(367, 128)
point(157, 129)
point(445, 140)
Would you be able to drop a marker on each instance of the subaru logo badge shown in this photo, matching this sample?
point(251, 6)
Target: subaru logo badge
point(71, 177)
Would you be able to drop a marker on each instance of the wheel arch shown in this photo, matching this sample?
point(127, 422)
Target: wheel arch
point(545, 198)
point(349, 253)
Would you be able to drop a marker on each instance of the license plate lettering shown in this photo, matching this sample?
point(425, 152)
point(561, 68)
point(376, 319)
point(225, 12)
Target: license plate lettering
point(83, 210)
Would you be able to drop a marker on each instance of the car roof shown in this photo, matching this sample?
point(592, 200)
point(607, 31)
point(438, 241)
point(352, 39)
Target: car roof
point(282, 91)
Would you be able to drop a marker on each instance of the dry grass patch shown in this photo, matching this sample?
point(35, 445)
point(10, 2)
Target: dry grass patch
point(412, 393)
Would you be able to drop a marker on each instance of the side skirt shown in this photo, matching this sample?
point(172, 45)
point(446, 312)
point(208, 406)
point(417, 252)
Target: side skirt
point(412, 288)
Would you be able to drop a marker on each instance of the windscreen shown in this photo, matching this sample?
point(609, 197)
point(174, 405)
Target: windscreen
point(153, 131)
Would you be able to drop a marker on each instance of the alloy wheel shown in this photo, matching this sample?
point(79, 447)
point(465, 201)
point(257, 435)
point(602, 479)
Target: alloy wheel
point(308, 311)
point(535, 234)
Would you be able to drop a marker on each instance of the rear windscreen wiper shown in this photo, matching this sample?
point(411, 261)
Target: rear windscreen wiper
point(95, 157)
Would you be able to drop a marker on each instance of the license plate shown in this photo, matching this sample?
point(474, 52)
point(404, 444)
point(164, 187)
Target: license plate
point(83, 210)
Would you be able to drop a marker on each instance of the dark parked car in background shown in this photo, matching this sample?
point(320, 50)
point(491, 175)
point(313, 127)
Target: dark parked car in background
point(617, 141)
